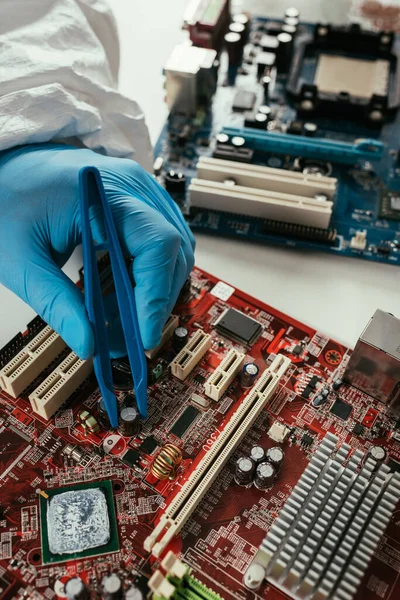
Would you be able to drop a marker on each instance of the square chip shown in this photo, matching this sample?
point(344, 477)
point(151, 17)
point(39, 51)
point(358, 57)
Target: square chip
point(341, 409)
point(78, 521)
point(239, 327)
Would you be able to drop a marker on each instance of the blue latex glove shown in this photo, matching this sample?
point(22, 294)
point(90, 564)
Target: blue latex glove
point(40, 226)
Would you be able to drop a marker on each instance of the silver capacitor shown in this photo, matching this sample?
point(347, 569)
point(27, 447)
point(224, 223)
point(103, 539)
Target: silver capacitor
point(264, 476)
point(275, 456)
point(249, 375)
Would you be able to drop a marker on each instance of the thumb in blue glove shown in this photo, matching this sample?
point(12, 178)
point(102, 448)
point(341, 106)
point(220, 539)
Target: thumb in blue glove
point(40, 227)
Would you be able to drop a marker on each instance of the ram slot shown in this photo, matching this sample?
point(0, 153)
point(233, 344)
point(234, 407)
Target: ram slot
point(194, 489)
point(30, 362)
point(263, 204)
point(217, 384)
point(266, 178)
point(59, 385)
point(191, 354)
point(168, 330)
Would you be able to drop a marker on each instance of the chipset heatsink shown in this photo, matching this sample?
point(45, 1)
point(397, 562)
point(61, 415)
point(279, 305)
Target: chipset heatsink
point(78, 521)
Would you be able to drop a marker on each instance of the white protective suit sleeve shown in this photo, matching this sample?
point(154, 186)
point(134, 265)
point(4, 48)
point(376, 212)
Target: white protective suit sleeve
point(58, 79)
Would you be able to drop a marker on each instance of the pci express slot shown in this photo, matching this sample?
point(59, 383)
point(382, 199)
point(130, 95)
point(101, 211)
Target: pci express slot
point(266, 178)
point(219, 381)
point(168, 329)
point(298, 145)
point(59, 385)
point(31, 361)
point(263, 204)
point(194, 489)
point(191, 354)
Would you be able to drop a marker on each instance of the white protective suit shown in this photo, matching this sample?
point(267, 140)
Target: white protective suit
point(58, 79)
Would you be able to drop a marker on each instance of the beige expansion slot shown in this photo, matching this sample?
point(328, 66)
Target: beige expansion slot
point(217, 384)
point(194, 489)
point(266, 178)
point(59, 385)
point(264, 204)
point(191, 354)
point(168, 329)
point(30, 362)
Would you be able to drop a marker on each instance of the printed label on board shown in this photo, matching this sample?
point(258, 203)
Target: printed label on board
point(222, 290)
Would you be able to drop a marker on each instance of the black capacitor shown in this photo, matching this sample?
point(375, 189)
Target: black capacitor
point(257, 454)
point(275, 456)
point(266, 110)
point(291, 29)
point(337, 384)
point(290, 22)
point(102, 415)
point(234, 48)
point(284, 54)
point(292, 13)
point(244, 470)
point(244, 20)
point(111, 587)
point(319, 401)
point(175, 182)
point(238, 141)
point(133, 593)
point(122, 374)
point(237, 28)
point(249, 374)
point(129, 400)
point(129, 423)
point(222, 138)
point(264, 476)
point(377, 453)
point(266, 82)
point(310, 129)
point(75, 589)
point(179, 338)
point(184, 294)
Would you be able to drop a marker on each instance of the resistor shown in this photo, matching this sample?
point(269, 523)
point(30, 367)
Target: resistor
point(166, 462)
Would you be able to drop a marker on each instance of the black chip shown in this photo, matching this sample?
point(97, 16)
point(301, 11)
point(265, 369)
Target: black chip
point(358, 429)
point(185, 420)
point(393, 465)
point(306, 392)
point(149, 445)
point(130, 457)
point(243, 101)
point(238, 327)
point(341, 409)
point(297, 350)
point(199, 378)
point(307, 440)
point(313, 381)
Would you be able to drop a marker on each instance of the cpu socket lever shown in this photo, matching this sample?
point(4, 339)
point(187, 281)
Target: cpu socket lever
point(92, 195)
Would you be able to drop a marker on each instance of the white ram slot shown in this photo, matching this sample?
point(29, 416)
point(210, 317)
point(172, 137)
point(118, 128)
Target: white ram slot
point(191, 354)
point(30, 362)
point(217, 384)
point(59, 385)
point(266, 178)
point(263, 204)
point(199, 482)
point(168, 329)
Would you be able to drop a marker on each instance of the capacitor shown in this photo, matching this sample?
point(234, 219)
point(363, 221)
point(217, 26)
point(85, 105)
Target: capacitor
point(266, 81)
point(257, 454)
point(318, 401)
point(325, 392)
point(102, 415)
point(122, 374)
point(284, 54)
point(222, 138)
point(237, 28)
point(249, 374)
point(244, 470)
point(275, 456)
point(179, 338)
point(290, 22)
point(129, 400)
point(377, 453)
point(264, 109)
point(238, 141)
point(310, 129)
point(337, 384)
point(133, 593)
point(185, 292)
point(175, 182)
point(264, 476)
point(234, 48)
point(129, 423)
point(111, 587)
point(244, 20)
point(292, 13)
point(75, 589)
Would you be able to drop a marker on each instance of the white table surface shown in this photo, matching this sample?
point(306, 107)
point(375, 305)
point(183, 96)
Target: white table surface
point(333, 294)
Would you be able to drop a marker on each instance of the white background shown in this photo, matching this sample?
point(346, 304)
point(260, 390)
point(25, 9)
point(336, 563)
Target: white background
point(333, 294)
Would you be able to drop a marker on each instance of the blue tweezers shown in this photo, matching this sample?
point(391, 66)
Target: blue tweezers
point(92, 195)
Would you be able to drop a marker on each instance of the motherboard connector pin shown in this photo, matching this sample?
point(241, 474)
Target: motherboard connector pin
point(219, 381)
point(191, 354)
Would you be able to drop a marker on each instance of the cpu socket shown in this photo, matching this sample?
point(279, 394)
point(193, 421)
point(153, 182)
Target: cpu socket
point(345, 73)
point(78, 521)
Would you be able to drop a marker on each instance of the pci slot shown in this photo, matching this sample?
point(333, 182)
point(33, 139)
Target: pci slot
point(191, 354)
point(194, 489)
point(217, 384)
point(59, 385)
point(266, 178)
point(30, 362)
point(169, 328)
point(319, 148)
point(262, 204)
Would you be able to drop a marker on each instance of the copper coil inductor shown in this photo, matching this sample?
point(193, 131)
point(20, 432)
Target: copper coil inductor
point(166, 462)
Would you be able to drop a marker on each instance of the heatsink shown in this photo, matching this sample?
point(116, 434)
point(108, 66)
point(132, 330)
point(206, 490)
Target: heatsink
point(321, 543)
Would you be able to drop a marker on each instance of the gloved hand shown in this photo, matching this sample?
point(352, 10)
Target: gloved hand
point(40, 227)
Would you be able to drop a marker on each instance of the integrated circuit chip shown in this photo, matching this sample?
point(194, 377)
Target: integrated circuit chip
point(78, 521)
point(185, 421)
point(341, 409)
point(149, 445)
point(243, 100)
point(238, 327)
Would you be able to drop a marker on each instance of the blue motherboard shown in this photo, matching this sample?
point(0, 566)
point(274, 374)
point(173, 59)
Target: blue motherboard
point(348, 134)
